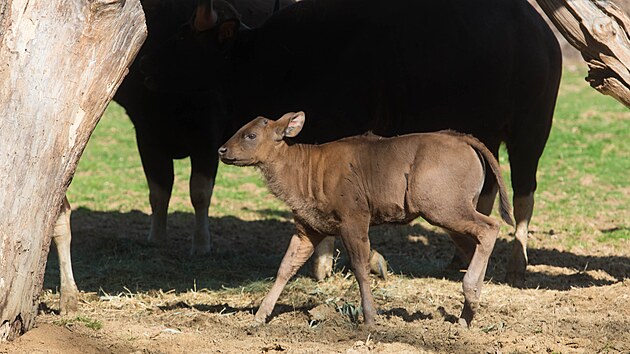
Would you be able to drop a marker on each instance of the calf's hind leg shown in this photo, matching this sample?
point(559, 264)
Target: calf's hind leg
point(465, 245)
point(355, 239)
point(484, 231)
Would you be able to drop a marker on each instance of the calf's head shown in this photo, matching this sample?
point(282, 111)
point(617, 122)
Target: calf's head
point(260, 140)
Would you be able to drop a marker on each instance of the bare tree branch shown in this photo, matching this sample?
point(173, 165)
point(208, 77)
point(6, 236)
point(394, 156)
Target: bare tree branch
point(599, 30)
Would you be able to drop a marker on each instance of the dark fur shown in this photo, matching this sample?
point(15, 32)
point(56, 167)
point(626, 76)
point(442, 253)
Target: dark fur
point(491, 70)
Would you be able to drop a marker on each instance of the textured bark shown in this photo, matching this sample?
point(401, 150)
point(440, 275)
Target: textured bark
point(60, 63)
point(599, 30)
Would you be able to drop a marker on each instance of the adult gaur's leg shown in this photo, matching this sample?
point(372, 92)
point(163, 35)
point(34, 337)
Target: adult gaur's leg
point(202, 177)
point(538, 73)
point(204, 137)
point(525, 144)
point(62, 237)
point(299, 251)
point(523, 210)
point(158, 169)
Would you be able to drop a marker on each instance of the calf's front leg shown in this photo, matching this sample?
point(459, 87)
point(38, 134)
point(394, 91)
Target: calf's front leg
point(300, 250)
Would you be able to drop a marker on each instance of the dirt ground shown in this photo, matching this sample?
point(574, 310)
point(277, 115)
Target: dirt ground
point(573, 302)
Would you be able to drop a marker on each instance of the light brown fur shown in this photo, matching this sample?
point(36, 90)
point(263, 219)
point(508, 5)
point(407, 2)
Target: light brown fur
point(343, 187)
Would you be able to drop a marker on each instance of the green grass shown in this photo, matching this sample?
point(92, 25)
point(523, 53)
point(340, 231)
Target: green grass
point(86, 321)
point(583, 174)
point(583, 191)
point(110, 176)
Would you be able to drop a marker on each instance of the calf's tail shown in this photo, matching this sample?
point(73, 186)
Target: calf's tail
point(505, 209)
point(504, 202)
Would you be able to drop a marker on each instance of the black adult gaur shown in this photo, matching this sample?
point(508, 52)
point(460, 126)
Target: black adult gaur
point(490, 68)
point(174, 124)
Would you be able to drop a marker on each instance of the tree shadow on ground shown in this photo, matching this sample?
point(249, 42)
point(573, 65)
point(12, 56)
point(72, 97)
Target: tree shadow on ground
point(110, 254)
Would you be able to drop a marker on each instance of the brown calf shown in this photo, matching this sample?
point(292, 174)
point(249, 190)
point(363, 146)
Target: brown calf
point(343, 187)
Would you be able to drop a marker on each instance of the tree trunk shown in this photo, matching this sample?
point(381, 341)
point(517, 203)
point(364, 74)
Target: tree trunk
point(599, 30)
point(60, 64)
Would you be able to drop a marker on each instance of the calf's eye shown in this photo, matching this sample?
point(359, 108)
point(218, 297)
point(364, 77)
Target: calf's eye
point(250, 136)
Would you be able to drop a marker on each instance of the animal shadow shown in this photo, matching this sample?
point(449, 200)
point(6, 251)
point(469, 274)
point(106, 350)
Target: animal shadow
point(110, 254)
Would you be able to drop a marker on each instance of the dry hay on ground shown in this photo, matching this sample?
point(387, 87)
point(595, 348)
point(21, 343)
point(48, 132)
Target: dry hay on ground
point(574, 302)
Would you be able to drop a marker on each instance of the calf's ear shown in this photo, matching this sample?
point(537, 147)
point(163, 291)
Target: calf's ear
point(290, 125)
point(296, 122)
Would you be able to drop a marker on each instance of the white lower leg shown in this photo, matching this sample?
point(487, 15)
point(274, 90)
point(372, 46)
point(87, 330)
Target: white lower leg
point(523, 209)
point(62, 237)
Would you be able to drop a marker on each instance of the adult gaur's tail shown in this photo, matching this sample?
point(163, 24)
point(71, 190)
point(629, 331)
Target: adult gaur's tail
point(504, 203)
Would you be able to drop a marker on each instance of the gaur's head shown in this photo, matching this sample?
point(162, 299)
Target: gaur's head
point(260, 139)
point(196, 57)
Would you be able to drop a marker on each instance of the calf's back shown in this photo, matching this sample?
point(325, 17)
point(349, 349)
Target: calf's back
point(388, 180)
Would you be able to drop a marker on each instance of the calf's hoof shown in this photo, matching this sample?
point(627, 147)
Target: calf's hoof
point(368, 323)
point(365, 327)
point(378, 264)
point(463, 323)
point(258, 321)
point(256, 324)
point(468, 312)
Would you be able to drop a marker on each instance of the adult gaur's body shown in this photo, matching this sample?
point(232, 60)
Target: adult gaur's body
point(489, 68)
